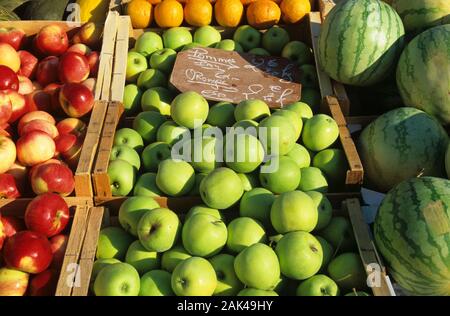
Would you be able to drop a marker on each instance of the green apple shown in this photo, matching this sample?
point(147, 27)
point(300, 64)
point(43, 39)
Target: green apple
point(230, 45)
point(176, 37)
point(292, 211)
point(285, 286)
point(320, 132)
point(259, 51)
point(221, 115)
point(244, 232)
point(98, 265)
point(205, 154)
point(125, 153)
point(122, 177)
point(255, 292)
point(142, 259)
point(207, 36)
point(302, 109)
point(136, 64)
point(119, 279)
point(300, 255)
point(339, 233)
point(256, 204)
point(171, 133)
point(293, 118)
point(148, 43)
point(252, 109)
point(249, 180)
point(348, 272)
point(151, 78)
point(313, 179)
point(153, 154)
point(175, 177)
point(324, 209)
point(217, 182)
point(204, 235)
point(146, 186)
point(298, 53)
point(113, 242)
point(131, 211)
point(147, 124)
point(243, 152)
point(357, 293)
point(274, 39)
point(328, 252)
point(172, 257)
point(189, 109)
point(257, 266)
point(195, 191)
point(311, 97)
point(203, 209)
point(277, 134)
point(158, 229)
point(163, 60)
point(194, 276)
point(283, 178)
point(157, 99)
point(227, 282)
point(300, 155)
point(130, 138)
point(318, 285)
point(248, 126)
point(247, 37)
point(131, 99)
point(191, 45)
point(156, 283)
point(333, 163)
point(308, 76)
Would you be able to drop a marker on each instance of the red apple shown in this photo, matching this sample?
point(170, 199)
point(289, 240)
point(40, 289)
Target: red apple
point(28, 251)
point(9, 57)
point(12, 36)
point(6, 130)
point(13, 282)
point(72, 126)
point(73, 68)
point(12, 225)
point(39, 125)
point(51, 40)
point(5, 107)
point(34, 148)
point(47, 214)
point(7, 153)
point(67, 145)
point(44, 283)
point(8, 187)
point(18, 105)
point(80, 49)
point(25, 85)
point(8, 79)
point(3, 234)
point(35, 115)
point(28, 64)
point(89, 34)
point(47, 71)
point(94, 62)
point(38, 100)
point(20, 173)
point(76, 99)
point(34, 168)
point(52, 177)
point(59, 246)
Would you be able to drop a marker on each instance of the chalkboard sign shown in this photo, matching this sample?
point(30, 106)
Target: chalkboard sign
point(230, 76)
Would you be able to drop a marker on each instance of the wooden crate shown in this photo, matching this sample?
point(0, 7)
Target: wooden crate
point(108, 211)
point(80, 208)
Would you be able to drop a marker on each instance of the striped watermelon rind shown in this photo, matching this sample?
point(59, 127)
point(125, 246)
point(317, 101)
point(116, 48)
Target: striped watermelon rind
point(410, 233)
point(360, 41)
point(401, 144)
point(419, 15)
point(423, 73)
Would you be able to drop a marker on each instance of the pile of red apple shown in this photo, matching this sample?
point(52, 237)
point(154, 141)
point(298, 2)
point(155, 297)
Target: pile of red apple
point(43, 79)
point(32, 250)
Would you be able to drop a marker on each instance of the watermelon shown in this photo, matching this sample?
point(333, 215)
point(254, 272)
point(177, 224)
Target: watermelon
point(360, 41)
point(412, 232)
point(401, 144)
point(423, 73)
point(419, 15)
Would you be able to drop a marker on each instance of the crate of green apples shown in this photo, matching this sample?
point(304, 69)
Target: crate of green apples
point(154, 247)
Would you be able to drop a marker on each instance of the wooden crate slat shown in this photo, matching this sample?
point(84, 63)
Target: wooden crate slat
point(120, 59)
point(325, 7)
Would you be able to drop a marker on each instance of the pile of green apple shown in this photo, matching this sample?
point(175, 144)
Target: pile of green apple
point(290, 244)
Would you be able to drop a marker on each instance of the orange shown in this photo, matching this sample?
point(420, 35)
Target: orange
point(263, 14)
point(247, 2)
point(228, 13)
point(154, 1)
point(169, 13)
point(292, 11)
point(141, 13)
point(198, 12)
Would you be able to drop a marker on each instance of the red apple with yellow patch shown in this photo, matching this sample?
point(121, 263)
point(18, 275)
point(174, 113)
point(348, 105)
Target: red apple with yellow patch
point(52, 177)
point(94, 62)
point(7, 153)
point(72, 126)
point(89, 34)
point(40, 125)
point(35, 115)
point(9, 57)
point(5, 107)
point(51, 40)
point(28, 64)
point(13, 282)
point(47, 71)
point(20, 173)
point(79, 48)
point(25, 85)
point(12, 225)
point(8, 187)
point(8, 79)
point(59, 246)
point(34, 148)
point(18, 105)
point(12, 36)
point(76, 99)
point(73, 68)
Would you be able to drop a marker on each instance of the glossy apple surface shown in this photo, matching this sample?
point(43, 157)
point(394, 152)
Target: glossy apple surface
point(73, 68)
point(28, 64)
point(34, 148)
point(8, 187)
point(53, 177)
point(76, 99)
point(52, 40)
